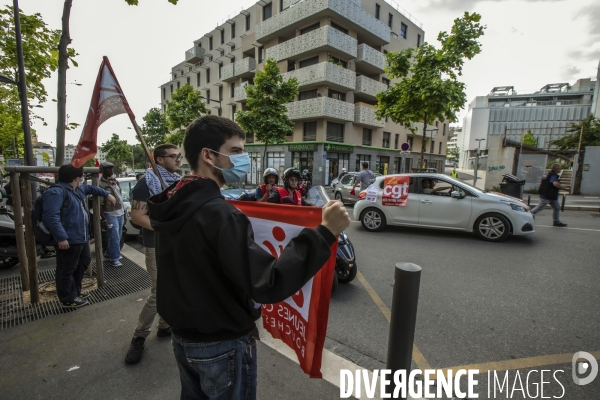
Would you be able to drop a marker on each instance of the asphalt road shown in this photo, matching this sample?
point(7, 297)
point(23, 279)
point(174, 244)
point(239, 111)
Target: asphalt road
point(481, 302)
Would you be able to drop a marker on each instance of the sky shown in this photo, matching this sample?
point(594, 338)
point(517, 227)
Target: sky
point(527, 44)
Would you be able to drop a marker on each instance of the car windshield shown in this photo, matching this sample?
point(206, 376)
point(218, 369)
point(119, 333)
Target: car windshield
point(476, 189)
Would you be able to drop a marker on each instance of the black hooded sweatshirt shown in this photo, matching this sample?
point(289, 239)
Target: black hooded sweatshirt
point(210, 270)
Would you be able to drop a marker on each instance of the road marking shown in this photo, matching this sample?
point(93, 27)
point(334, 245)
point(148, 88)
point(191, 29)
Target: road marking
point(417, 355)
point(575, 229)
point(522, 363)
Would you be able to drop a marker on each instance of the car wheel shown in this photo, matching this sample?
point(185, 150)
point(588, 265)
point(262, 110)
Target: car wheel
point(338, 196)
point(372, 220)
point(492, 227)
point(346, 275)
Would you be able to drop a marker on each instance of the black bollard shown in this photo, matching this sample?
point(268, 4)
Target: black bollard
point(407, 278)
point(529, 200)
point(562, 207)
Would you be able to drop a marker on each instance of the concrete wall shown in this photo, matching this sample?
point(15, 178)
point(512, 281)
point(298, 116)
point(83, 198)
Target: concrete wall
point(499, 161)
point(590, 182)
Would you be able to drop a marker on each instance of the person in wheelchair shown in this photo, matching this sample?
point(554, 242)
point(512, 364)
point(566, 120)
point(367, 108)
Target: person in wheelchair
point(429, 189)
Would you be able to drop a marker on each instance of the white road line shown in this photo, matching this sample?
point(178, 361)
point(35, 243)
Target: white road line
point(575, 229)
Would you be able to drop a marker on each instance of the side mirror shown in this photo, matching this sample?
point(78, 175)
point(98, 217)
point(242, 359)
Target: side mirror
point(455, 194)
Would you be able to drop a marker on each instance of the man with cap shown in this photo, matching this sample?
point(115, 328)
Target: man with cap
point(113, 215)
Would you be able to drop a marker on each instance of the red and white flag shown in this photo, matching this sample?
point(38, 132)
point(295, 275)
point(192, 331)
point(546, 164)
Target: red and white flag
point(108, 100)
point(301, 320)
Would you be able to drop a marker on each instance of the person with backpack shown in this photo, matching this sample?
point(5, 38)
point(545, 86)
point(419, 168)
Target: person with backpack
point(364, 178)
point(66, 217)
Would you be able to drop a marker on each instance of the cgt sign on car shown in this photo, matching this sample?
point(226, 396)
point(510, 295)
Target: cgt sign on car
point(395, 191)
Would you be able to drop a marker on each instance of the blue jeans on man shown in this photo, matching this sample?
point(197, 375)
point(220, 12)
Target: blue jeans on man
point(553, 203)
point(216, 370)
point(115, 232)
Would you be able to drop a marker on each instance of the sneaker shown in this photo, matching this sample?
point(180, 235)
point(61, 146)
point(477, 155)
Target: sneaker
point(83, 295)
point(559, 224)
point(163, 332)
point(76, 303)
point(115, 263)
point(134, 354)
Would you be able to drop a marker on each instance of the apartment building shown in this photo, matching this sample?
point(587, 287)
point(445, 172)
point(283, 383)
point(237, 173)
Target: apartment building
point(335, 49)
point(70, 151)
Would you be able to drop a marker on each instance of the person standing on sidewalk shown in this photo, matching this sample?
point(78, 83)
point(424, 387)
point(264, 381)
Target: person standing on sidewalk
point(168, 161)
point(71, 232)
point(454, 174)
point(549, 194)
point(113, 216)
point(364, 178)
point(211, 273)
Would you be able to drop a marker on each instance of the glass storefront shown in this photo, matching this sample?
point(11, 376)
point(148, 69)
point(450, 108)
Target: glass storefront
point(302, 160)
point(382, 165)
point(334, 164)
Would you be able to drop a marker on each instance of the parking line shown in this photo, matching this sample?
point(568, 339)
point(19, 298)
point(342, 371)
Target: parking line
point(576, 229)
point(417, 355)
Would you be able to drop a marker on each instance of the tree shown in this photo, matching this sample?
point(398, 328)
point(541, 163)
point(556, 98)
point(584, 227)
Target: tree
point(453, 154)
point(64, 54)
point(117, 151)
point(266, 117)
point(139, 157)
point(429, 89)
point(155, 129)
point(529, 139)
point(185, 106)
point(583, 134)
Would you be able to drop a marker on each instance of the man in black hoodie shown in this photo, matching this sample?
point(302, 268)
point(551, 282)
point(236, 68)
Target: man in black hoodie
point(211, 273)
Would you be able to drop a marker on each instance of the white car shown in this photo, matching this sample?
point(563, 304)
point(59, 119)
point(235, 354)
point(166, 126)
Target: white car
point(127, 185)
point(344, 187)
point(451, 204)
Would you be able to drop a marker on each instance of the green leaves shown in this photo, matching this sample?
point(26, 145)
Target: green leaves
point(117, 151)
point(184, 107)
point(589, 137)
point(155, 128)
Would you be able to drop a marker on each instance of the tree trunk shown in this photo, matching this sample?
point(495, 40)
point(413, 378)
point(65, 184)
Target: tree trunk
point(61, 97)
point(422, 161)
point(264, 166)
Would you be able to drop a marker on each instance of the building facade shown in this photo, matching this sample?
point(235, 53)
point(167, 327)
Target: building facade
point(335, 49)
point(70, 151)
point(547, 113)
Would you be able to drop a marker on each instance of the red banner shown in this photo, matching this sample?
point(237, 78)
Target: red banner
point(395, 190)
point(301, 320)
point(108, 100)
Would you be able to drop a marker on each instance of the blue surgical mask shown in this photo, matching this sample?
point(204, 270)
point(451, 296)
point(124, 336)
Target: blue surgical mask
point(241, 166)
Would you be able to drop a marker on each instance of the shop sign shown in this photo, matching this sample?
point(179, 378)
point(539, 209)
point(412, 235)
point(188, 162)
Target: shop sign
point(303, 147)
point(338, 148)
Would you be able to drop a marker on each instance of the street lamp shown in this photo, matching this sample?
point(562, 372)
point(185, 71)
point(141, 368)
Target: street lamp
point(477, 159)
point(6, 79)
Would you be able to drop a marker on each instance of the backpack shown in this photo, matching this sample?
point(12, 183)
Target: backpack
point(41, 234)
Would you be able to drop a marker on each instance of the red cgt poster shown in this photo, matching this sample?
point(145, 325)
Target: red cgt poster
point(301, 320)
point(395, 190)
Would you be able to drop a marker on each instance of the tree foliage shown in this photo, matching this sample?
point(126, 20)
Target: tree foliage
point(429, 88)
point(453, 154)
point(266, 117)
point(529, 139)
point(590, 136)
point(117, 151)
point(185, 106)
point(155, 128)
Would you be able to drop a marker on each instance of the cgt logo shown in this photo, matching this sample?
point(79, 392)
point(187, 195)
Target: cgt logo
point(581, 368)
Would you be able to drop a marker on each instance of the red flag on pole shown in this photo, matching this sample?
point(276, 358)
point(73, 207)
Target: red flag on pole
point(108, 100)
point(301, 320)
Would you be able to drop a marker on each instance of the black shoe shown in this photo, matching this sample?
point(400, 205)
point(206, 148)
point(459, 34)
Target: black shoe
point(83, 295)
point(134, 354)
point(76, 303)
point(559, 224)
point(163, 332)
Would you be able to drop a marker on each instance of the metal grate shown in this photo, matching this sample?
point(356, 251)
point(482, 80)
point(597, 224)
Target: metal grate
point(129, 278)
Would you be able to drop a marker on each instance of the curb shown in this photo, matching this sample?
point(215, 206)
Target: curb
point(575, 208)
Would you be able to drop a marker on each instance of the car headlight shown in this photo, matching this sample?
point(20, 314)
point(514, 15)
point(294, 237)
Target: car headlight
point(516, 206)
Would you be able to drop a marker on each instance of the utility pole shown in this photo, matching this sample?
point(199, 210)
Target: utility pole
point(477, 160)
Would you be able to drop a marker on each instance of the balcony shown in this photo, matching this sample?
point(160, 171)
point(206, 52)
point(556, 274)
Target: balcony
point(289, 3)
point(369, 61)
point(239, 69)
point(326, 38)
point(194, 55)
point(367, 88)
point(349, 13)
point(364, 114)
point(239, 94)
point(321, 107)
point(337, 78)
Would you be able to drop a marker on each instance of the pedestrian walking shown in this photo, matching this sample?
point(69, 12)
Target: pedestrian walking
point(364, 178)
point(113, 216)
point(454, 174)
point(549, 194)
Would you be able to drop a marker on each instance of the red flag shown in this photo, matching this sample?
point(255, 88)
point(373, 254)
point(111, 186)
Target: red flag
point(97, 163)
point(108, 100)
point(301, 320)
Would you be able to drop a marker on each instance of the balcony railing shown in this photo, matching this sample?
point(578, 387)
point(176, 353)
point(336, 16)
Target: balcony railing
point(321, 107)
point(194, 55)
point(289, 3)
point(369, 60)
point(323, 38)
point(367, 88)
point(239, 94)
point(244, 67)
point(335, 77)
point(365, 115)
point(350, 11)
point(521, 103)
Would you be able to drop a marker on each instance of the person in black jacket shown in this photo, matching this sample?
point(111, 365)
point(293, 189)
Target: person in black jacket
point(549, 194)
point(212, 276)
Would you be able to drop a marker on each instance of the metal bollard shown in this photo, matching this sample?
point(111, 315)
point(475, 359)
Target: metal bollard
point(562, 206)
point(407, 278)
point(529, 200)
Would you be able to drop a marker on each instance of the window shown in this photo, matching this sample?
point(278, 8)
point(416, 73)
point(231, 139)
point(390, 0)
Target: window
point(397, 141)
point(174, 76)
point(339, 28)
point(377, 11)
point(310, 28)
point(247, 22)
point(309, 94)
point(219, 68)
point(198, 79)
point(444, 130)
point(337, 61)
point(390, 19)
point(418, 40)
point(232, 59)
point(386, 140)
point(219, 111)
point(261, 54)
point(210, 46)
point(233, 30)
point(432, 146)
point(178, 85)
point(409, 140)
point(309, 134)
point(335, 132)
point(187, 80)
point(366, 140)
point(223, 36)
point(233, 110)
point(267, 11)
point(386, 82)
point(171, 88)
point(208, 75)
point(337, 95)
point(361, 158)
point(208, 96)
point(403, 29)
point(309, 61)
point(440, 149)
point(232, 89)
point(220, 92)
point(291, 65)
point(164, 93)
point(280, 5)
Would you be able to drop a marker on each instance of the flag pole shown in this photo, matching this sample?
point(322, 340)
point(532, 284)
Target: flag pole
point(145, 147)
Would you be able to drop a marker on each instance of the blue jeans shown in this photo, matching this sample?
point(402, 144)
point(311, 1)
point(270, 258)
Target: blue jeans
point(555, 208)
point(216, 370)
point(114, 236)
